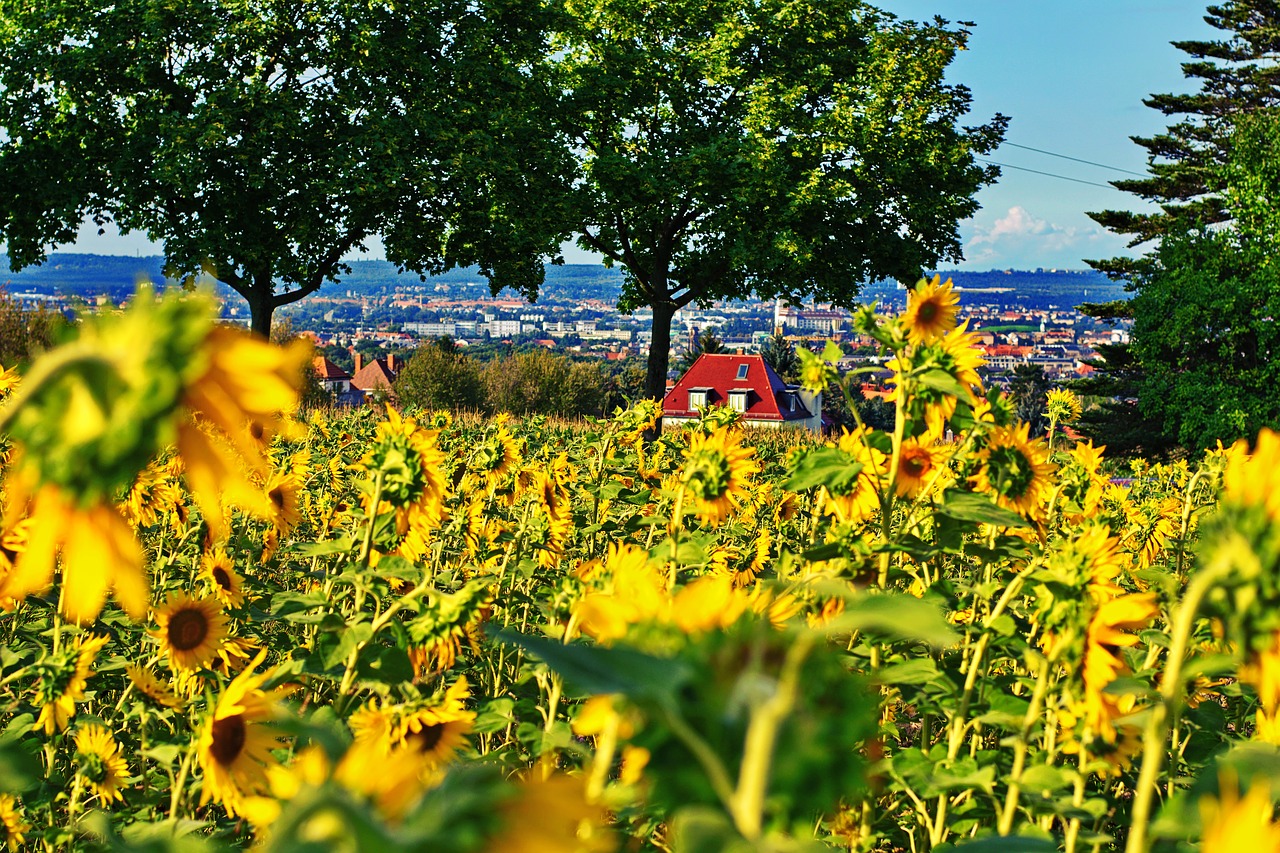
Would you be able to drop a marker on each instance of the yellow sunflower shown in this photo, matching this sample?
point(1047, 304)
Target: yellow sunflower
point(916, 466)
point(12, 822)
point(1015, 471)
point(1231, 823)
point(149, 686)
point(716, 473)
point(409, 462)
point(100, 761)
point(931, 310)
point(1109, 631)
point(282, 491)
point(235, 744)
point(218, 569)
point(63, 680)
point(99, 554)
point(1064, 406)
point(556, 521)
point(497, 456)
point(9, 379)
point(636, 593)
point(548, 815)
point(437, 732)
point(189, 630)
point(859, 499)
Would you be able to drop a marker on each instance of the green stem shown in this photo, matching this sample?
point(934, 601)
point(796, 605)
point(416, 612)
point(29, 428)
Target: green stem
point(1020, 750)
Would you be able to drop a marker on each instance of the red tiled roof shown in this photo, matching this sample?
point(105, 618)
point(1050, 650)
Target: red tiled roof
point(326, 369)
point(373, 375)
point(719, 375)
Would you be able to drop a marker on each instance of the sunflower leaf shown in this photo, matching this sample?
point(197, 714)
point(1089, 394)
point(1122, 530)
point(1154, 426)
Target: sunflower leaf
point(823, 466)
point(599, 670)
point(971, 506)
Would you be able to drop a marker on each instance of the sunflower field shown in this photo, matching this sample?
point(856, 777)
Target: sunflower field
point(233, 624)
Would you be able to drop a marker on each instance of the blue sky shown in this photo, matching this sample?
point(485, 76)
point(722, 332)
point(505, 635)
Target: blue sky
point(1072, 75)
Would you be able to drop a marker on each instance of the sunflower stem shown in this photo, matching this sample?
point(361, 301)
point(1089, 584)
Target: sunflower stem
point(180, 784)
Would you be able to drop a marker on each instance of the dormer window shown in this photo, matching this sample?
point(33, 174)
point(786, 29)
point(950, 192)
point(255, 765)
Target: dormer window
point(697, 398)
point(738, 399)
point(742, 371)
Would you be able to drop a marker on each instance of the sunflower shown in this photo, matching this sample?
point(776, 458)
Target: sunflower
point(1064, 406)
point(189, 630)
point(63, 680)
point(9, 379)
point(1015, 471)
point(550, 815)
point(1231, 823)
point(408, 460)
point(716, 472)
point(101, 763)
point(11, 821)
point(99, 554)
point(931, 310)
point(636, 593)
point(497, 456)
point(956, 355)
point(282, 491)
point(556, 519)
point(1109, 631)
point(235, 744)
point(916, 465)
point(235, 406)
point(437, 732)
point(859, 498)
point(149, 686)
point(154, 493)
point(216, 568)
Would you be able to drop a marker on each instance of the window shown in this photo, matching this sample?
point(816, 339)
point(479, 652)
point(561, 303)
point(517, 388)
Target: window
point(738, 400)
point(697, 398)
point(742, 371)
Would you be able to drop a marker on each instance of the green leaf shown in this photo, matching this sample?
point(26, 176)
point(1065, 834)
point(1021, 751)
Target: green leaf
point(918, 671)
point(19, 769)
point(598, 669)
point(341, 545)
point(297, 606)
point(1043, 779)
point(823, 466)
point(971, 506)
point(902, 617)
point(940, 380)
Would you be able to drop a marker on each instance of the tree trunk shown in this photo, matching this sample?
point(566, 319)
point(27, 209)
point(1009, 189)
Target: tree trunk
point(659, 350)
point(262, 305)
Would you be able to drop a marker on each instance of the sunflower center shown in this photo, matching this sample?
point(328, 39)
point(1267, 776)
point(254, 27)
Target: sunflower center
point(257, 430)
point(229, 736)
point(927, 313)
point(277, 498)
point(916, 465)
point(187, 630)
point(428, 737)
point(221, 578)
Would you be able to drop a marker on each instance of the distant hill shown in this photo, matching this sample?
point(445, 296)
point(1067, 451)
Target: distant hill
point(117, 275)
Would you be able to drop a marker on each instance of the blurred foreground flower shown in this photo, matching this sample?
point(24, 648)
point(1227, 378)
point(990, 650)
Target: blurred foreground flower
point(93, 413)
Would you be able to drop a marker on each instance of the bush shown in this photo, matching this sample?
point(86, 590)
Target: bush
point(25, 331)
point(541, 383)
point(440, 376)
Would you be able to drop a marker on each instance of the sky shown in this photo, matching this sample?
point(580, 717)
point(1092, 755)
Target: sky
point(1071, 74)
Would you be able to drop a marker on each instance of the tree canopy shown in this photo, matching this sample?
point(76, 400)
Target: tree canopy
point(769, 146)
point(264, 142)
point(1198, 368)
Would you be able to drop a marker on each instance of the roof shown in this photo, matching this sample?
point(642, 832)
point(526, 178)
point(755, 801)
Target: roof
point(717, 374)
point(327, 370)
point(373, 375)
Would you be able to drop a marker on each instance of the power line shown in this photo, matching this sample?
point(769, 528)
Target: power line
point(1046, 174)
point(1076, 159)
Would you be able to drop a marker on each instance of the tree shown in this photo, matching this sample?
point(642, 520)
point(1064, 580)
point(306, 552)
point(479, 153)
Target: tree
point(541, 383)
point(25, 330)
point(1238, 75)
point(1196, 368)
point(441, 377)
point(263, 142)
point(1028, 389)
point(707, 342)
point(782, 147)
point(780, 354)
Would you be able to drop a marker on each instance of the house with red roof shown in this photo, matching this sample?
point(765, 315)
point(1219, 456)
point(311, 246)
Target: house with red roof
point(337, 382)
point(746, 384)
point(376, 375)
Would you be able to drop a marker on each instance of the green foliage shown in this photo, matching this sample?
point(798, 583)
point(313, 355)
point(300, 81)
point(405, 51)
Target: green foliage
point(539, 382)
point(780, 354)
point(262, 143)
point(764, 146)
point(1028, 389)
point(25, 331)
point(440, 377)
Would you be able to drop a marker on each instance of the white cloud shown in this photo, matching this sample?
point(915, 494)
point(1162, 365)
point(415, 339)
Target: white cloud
point(1021, 239)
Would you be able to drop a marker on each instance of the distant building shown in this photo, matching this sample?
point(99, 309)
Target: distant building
point(821, 322)
point(746, 384)
point(377, 375)
point(337, 382)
